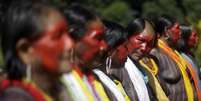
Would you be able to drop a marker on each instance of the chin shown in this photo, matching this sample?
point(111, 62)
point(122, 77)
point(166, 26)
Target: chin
point(93, 66)
point(135, 57)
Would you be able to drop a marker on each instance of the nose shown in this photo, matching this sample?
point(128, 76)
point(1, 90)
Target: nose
point(68, 42)
point(144, 48)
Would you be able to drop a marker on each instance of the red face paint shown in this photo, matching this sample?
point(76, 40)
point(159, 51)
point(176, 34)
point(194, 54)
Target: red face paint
point(94, 43)
point(121, 54)
point(193, 39)
point(140, 44)
point(175, 32)
point(50, 46)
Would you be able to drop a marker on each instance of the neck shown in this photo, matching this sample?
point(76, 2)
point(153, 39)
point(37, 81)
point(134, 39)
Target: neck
point(103, 67)
point(116, 64)
point(46, 82)
point(168, 42)
point(81, 65)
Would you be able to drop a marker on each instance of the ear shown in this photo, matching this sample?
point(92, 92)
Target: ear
point(166, 32)
point(24, 50)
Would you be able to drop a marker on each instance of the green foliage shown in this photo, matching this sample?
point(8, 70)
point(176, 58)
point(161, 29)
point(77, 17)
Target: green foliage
point(115, 10)
point(193, 8)
point(118, 11)
point(1, 59)
point(197, 51)
point(161, 7)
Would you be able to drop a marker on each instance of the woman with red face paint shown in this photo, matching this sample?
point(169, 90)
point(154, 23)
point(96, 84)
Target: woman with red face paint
point(87, 30)
point(189, 40)
point(115, 35)
point(35, 44)
point(131, 79)
point(118, 71)
point(140, 41)
point(171, 71)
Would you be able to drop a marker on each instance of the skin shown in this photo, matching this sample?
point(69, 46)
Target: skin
point(119, 56)
point(193, 39)
point(91, 46)
point(52, 47)
point(137, 45)
point(48, 53)
point(174, 33)
point(140, 44)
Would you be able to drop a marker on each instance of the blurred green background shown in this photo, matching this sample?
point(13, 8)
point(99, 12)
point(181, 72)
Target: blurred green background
point(123, 11)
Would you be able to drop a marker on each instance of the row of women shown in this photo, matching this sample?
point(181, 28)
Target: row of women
point(69, 53)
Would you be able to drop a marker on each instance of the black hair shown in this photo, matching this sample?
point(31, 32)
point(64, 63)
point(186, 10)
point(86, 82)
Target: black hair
point(137, 26)
point(78, 17)
point(20, 21)
point(115, 34)
point(164, 22)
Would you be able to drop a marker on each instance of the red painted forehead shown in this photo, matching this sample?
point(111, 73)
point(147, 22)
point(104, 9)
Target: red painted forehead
point(143, 35)
point(95, 31)
point(52, 26)
point(175, 26)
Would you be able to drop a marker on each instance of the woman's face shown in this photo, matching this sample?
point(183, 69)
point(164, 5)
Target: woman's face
point(193, 39)
point(175, 32)
point(119, 56)
point(141, 43)
point(92, 45)
point(53, 47)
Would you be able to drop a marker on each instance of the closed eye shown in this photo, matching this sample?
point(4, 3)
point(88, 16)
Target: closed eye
point(140, 40)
